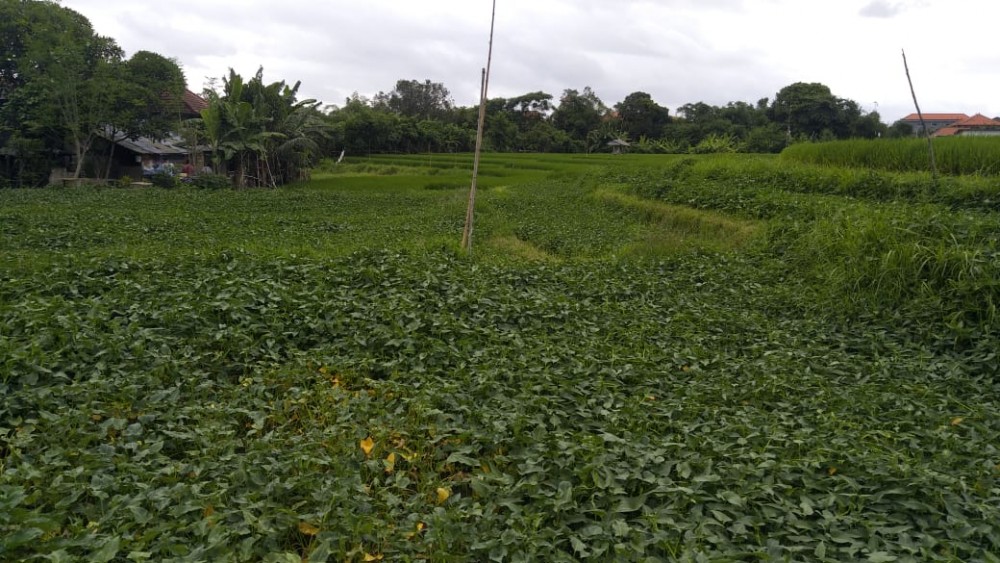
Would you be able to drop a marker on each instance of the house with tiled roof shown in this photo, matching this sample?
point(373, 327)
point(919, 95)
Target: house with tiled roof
point(977, 125)
point(132, 155)
point(933, 121)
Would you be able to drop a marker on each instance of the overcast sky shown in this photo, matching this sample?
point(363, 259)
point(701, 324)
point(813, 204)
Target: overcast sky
point(679, 51)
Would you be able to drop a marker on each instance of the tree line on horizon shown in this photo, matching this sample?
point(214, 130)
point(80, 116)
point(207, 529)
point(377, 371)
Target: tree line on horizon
point(64, 89)
point(419, 116)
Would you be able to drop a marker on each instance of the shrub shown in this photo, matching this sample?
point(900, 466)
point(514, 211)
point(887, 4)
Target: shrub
point(211, 181)
point(713, 144)
point(164, 180)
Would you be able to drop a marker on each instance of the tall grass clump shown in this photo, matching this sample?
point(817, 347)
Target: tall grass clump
point(913, 260)
point(866, 242)
point(751, 174)
point(956, 156)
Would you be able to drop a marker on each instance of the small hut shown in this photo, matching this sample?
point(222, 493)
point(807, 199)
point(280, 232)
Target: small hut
point(619, 146)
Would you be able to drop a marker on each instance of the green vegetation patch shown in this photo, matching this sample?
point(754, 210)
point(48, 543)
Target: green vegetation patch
point(209, 375)
point(676, 228)
point(954, 155)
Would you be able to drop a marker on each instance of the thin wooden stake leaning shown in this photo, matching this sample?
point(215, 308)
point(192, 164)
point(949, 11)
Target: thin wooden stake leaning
point(471, 209)
point(470, 213)
point(930, 143)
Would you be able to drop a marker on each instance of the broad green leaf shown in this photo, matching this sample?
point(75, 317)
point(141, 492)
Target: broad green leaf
point(107, 552)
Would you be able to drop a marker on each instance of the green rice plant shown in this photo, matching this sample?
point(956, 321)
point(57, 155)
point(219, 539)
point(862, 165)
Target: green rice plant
point(955, 156)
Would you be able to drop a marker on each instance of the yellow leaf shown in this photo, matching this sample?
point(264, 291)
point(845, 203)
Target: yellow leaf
point(370, 557)
point(420, 528)
point(957, 420)
point(308, 529)
point(367, 445)
point(442, 494)
point(390, 463)
point(323, 370)
point(832, 471)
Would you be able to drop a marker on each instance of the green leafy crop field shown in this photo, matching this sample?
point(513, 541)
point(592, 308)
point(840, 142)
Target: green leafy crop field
point(644, 359)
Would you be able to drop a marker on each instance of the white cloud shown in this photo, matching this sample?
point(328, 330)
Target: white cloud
point(882, 9)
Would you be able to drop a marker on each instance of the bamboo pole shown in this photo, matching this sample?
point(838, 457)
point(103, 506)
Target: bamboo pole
point(923, 126)
point(470, 213)
point(470, 210)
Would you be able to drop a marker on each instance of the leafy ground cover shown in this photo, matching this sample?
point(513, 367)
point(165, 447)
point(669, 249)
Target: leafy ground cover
point(212, 376)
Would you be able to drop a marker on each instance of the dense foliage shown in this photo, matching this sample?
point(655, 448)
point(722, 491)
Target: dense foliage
point(63, 87)
point(262, 131)
point(582, 122)
point(317, 373)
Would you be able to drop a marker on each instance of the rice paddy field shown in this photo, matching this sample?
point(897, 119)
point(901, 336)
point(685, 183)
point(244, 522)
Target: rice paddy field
point(644, 358)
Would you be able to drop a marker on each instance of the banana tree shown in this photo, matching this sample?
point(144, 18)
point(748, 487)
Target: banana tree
point(268, 135)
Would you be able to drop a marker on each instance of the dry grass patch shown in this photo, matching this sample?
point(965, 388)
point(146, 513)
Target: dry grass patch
point(515, 247)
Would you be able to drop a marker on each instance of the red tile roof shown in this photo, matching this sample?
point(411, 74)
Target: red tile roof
point(193, 102)
point(978, 120)
point(937, 117)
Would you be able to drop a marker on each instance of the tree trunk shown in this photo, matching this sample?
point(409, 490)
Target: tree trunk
point(240, 170)
point(111, 158)
point(80, 152)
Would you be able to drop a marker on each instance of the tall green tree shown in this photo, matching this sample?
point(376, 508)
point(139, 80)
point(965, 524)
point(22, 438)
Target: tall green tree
point(64, 86)
point(808, 110)
point(579, 113)
point(420, 100)
point(61, 79)
point(156, 89)
point(529, 109)
point(641, 116)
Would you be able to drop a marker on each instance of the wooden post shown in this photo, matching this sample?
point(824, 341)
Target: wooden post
point(470, 213)
point(920, 115)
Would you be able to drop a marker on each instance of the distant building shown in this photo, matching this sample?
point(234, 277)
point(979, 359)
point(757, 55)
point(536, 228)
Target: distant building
point(976, 126)
point(133, 155)
point(934, 121)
